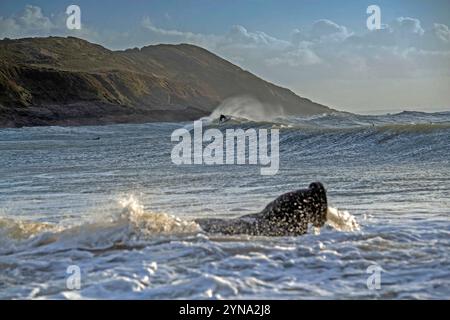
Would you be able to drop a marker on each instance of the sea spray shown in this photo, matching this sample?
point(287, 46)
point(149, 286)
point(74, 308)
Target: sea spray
point(145, 223)
point(23, 229)
point(247, 107)
point(341, 220)
point(131, 223)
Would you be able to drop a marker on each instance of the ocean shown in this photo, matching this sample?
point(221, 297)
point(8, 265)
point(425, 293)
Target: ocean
point(106, 204)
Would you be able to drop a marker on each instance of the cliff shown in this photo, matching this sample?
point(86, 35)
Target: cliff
point(69, 81)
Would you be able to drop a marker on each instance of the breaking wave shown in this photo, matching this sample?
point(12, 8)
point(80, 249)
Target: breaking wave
point(341, 220)
point(390, 171)
point(132, 225)
point(248, 108)
point(406, 134)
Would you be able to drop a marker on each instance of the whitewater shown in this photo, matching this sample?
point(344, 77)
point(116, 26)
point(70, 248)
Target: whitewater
point(109, 200)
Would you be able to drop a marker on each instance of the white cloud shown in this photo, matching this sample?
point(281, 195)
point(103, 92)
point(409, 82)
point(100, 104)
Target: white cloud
point(328, 30)
point(323, 53)
point(238, 34)
point(295, 58)
point(31, 21)
point(407, 26)
point(442, 32)
point(322, 30)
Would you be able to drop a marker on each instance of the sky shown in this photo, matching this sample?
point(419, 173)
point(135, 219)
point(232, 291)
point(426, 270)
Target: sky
point(319, 49)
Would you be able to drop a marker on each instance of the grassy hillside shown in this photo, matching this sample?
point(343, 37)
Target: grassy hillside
point(69, 81)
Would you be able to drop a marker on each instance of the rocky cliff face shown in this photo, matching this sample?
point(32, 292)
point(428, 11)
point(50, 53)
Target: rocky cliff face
point(69, 81)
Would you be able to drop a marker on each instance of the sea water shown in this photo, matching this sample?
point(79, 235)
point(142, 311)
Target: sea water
point(109, 200)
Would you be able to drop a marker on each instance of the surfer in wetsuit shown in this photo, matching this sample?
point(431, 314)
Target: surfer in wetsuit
point(223, 118)
point(287, 215)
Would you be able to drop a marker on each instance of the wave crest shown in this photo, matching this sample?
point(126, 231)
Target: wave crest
point(132, 224)
point(248, 108)
point(151, 223)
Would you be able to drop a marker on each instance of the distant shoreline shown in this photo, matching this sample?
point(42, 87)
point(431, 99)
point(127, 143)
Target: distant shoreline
point(89, 114)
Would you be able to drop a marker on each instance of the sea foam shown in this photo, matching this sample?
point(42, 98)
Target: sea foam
point(341, 220)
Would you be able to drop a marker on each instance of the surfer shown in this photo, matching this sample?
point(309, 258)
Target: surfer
point(287, 215)
point(223, 118)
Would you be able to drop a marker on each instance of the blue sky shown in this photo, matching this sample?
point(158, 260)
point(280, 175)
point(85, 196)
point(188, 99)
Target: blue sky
point(276, 17)
point(319, 49)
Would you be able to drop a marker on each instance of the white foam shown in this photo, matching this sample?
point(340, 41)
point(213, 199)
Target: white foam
point(247, 107)
point(130, 224)
point(341, 220)
point(151, 223)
